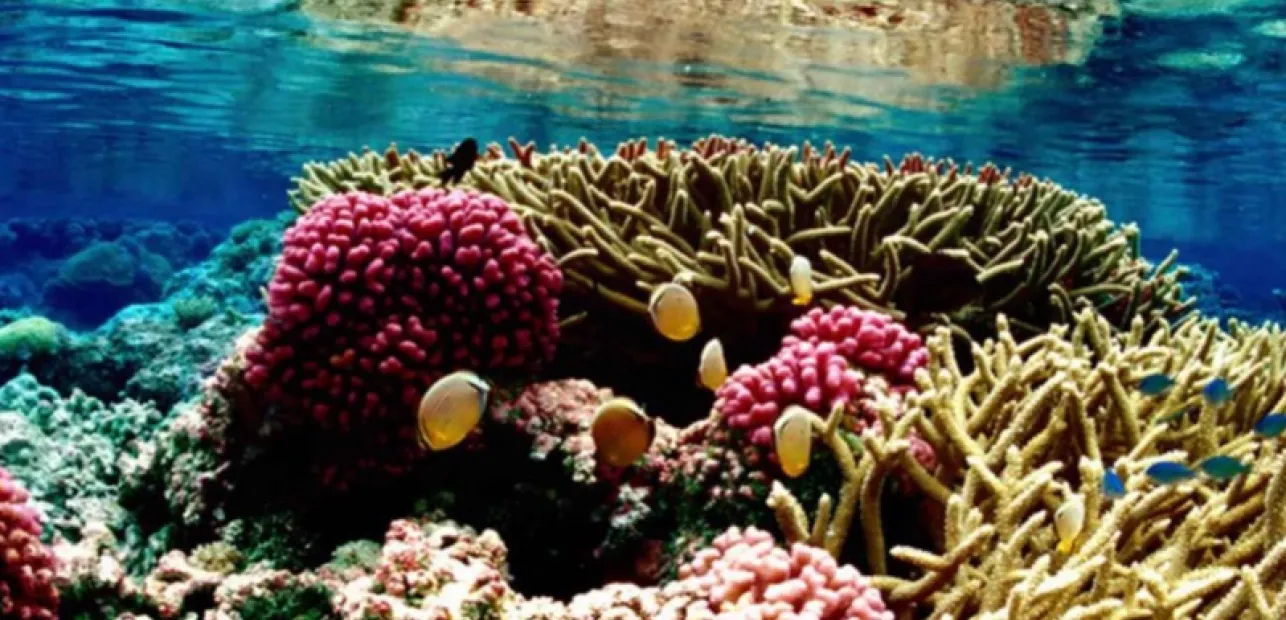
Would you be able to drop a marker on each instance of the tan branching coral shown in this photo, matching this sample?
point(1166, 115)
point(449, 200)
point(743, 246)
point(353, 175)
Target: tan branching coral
point(726, 218)
point(1033, 423)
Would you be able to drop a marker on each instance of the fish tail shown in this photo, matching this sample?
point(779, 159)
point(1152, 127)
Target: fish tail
point(802, 300)
point(445, 174)
point(1065, 545)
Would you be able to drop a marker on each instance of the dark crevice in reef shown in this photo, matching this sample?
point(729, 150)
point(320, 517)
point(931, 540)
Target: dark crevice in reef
point(623, 350)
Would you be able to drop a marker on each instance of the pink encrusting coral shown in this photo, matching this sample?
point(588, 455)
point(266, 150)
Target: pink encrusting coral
point(843, 356)
point(27, 566)
point(375, 298)
point(744, 574)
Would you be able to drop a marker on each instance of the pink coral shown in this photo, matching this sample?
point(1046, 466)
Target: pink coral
point(375, 298)
point(838, 357)
point(871, 340)
point(27, 566)
point(431, 570)
point(744, 574)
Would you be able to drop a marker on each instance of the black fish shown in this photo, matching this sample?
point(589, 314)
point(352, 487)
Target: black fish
point(460, 162)
point(939, 283)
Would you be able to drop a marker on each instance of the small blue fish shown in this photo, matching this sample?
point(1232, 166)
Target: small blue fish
point(1223, 467)
point(1170, 472)
point(1217, 392)
point(1113, 486)
point(1271, 425)
point(1156, 384)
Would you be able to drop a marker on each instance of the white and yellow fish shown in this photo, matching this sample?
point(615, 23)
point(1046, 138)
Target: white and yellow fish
point(621, 431)
point(793, 440)
point(674, 312)
point(1069, 520)
point(450, 409)
point(712, 369)
point(801, 280)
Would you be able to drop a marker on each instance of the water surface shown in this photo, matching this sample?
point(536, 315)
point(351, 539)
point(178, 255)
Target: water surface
point(1170, 111)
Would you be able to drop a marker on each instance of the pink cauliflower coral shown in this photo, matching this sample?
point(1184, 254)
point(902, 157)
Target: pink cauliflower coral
point(27, 566)
point(838, 357)
point(375, 298)
point(744, 574)
point(871, 340)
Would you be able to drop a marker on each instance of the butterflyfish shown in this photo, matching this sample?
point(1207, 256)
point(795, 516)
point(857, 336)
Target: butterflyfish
point(674, 312)
point(1271, 425)
point(1169, 472)
point(801, 280)
point(1223, 467)
point(1156, 384)
point(1217, 392)
point(712, 370)
point(1069, 519)
point(621, 431)
point(450, 409)
point(793, 440)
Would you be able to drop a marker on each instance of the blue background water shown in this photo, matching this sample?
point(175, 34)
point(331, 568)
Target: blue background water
point(183, 112)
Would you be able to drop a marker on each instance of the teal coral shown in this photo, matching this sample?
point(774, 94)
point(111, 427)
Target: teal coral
point(70, 450)
point(31, 337)
point(190, 312)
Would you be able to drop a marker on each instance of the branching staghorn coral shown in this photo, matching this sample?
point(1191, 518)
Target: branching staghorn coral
point(726, 218)
point(1036, 422)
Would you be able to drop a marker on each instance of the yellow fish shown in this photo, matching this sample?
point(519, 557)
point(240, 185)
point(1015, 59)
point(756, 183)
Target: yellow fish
point(674, 312)
point(793, 440)
point(621, 431)
point(712, 370)
point(1068, 521)
point(801, 280)
point(450, 409)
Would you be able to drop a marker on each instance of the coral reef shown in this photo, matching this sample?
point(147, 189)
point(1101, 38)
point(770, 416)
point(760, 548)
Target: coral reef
point(181, 480)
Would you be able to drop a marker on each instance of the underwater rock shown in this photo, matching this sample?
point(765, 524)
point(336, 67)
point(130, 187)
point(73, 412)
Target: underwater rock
point(70, 450)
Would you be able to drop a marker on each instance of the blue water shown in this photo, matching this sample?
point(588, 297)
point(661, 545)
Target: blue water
point(201, 111)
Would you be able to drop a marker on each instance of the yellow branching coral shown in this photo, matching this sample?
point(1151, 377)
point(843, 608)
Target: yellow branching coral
point(1033, 423)
point(726, 218)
